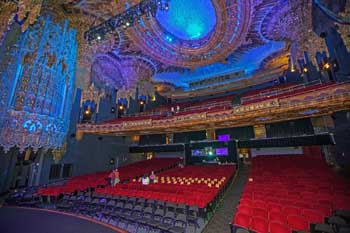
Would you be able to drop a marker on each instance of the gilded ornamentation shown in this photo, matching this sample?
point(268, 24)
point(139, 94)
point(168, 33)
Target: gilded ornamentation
point(29, 11)
point(58, 153)
point(36, 94)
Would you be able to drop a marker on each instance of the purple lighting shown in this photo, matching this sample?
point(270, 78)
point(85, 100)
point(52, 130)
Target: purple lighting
point(224, 137)
point(221, 151)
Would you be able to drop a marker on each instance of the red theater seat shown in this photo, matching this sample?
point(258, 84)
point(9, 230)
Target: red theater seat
point(259, 204)
point(259, 212)
point(242, 220)
point(245, 209)
point(277, 217)
point(245, 201)
point(273, 207)
point(297, 223)
point(276, 227)
point(290, 210)
point(313, 216)
point(259, 225)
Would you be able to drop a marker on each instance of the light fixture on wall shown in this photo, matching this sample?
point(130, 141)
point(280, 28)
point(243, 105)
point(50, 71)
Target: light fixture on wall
point(326, 66)
point(305, 69)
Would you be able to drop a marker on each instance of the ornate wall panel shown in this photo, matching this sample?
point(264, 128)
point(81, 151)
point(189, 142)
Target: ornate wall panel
point(36, 83)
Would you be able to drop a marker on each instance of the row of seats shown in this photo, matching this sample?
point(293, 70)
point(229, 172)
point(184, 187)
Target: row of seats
point(263, 92)
point(136, 118)
point(225, 103)
point(190, 106)
point(94, 180)
point(282, 91)
point(134, 214)
point(180, 195)
point(216, 104)
point(200, 172)
point(289, 192)
point(202, 186)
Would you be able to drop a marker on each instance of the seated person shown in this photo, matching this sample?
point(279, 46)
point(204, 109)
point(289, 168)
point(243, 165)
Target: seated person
point(145, 180)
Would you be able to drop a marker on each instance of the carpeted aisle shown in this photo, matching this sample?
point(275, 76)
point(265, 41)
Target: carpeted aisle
point(223, 216)
point(19, 220)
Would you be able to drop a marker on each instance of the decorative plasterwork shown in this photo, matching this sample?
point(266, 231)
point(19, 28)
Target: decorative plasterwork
point(331, 99)
point(36, 83)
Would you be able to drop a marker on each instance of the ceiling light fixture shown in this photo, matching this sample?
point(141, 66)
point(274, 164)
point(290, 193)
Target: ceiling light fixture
point(126, 18)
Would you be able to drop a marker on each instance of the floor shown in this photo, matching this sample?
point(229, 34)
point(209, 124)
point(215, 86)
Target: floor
point(22, 220)
point(223, 215)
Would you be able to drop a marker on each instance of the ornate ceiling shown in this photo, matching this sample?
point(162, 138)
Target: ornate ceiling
point(192, 40)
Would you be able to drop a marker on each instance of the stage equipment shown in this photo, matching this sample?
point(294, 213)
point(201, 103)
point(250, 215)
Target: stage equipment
point(127, 18)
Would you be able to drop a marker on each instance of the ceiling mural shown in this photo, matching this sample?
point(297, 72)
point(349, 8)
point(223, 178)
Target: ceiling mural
point(187, 41)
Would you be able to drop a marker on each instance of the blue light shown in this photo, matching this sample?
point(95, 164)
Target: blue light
point(188, 20)
point(249, 62)
point(36, 92)
point(168, 38)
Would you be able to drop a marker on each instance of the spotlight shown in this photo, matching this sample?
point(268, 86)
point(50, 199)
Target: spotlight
point(326, 66)
point(99, 37)
point(121, 107)
point(142, 102)
point(168, 38)
point(292, 70)
point(127, 24)
point(87, 112)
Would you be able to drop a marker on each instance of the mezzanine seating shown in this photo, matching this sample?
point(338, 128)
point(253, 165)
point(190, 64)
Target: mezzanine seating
point(289, 193)
point(136, 118)
point(282, 91)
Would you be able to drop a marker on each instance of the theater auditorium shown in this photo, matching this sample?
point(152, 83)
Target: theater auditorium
point(175, 116)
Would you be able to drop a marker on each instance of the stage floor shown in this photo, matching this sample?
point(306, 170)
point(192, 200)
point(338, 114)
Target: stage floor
point(28, 220)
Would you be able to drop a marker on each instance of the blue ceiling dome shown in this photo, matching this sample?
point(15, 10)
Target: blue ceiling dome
point(188, 20)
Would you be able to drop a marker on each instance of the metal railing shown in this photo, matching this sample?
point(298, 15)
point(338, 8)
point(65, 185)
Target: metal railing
point(272, 93)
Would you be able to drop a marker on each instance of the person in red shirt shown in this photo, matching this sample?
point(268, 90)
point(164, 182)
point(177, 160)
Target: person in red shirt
point(114, 176)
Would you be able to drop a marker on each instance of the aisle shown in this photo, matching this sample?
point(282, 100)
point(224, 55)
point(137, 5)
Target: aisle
point(223, 215)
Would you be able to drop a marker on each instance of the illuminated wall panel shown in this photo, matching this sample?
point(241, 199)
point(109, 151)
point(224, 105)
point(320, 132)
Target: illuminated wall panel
point(36, 86)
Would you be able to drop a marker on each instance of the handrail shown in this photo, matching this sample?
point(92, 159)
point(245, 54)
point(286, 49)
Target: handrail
point(91, 128)
point(225, 103)
point(272, 93)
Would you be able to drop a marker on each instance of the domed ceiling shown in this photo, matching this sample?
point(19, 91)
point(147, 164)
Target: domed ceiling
point(193, 40)
point(187, 20)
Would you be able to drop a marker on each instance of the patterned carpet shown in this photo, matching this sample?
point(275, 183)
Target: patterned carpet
point(223, 215)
